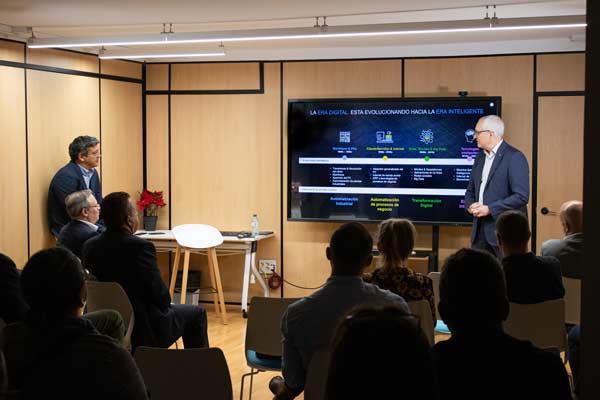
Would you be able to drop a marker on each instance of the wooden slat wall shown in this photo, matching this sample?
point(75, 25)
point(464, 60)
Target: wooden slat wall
point(305, 242)
point(122, 148)
point(560, 72)
point(60, 106)
point(13, 179)
point(121, 68)
point(232, 76)
point(157, 77)
point(225, 164)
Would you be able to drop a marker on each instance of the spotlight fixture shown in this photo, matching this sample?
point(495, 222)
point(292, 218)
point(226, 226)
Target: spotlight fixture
point(323, 31)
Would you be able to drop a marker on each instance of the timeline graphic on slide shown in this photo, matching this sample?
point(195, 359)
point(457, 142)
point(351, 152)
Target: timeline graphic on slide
point(376, 159)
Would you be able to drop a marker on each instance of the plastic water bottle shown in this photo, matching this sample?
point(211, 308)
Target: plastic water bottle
point(254, 225)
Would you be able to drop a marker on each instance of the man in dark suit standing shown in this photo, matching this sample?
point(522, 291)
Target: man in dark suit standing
point(530, 279)
point(569, 250)
point(117, 255)
point(79, 174)
point(84, 211)
point(499, 182)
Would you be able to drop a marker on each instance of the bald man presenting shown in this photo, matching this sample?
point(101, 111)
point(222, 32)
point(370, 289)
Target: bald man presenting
point(499, 182)
point(569, 250)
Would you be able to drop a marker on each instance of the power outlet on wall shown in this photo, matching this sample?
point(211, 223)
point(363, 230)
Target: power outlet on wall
point(267, 266)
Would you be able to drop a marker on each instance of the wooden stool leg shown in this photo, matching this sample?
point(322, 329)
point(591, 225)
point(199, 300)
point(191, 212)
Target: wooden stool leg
point(186, 268)
point(213, 285)
point(212, 254)
point(174, 271)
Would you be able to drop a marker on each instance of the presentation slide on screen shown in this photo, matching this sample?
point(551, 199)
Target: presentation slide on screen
point(372, 160)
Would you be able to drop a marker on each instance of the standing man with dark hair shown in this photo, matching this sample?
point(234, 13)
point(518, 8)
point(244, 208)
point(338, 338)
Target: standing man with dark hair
point(499, 182)
point(79, 174)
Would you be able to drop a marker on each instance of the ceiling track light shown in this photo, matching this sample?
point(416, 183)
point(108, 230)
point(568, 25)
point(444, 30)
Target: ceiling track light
point(123, 54)
point(322, 31)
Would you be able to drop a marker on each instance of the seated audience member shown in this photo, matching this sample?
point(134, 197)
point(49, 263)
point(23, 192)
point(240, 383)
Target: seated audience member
point(574, 352)
point(308, 324)
point(379, 352)
point(396, 240)
point(12, 305)
point(117, 255)
point(57, 354)
point(529, 278)
point(569, 250)
point(84, 211)
point(480, 361)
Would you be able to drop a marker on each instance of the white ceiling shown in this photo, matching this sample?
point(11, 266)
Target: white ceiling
point(63, 18)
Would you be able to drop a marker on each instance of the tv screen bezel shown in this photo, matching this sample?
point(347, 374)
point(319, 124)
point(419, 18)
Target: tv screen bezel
point(291, 102)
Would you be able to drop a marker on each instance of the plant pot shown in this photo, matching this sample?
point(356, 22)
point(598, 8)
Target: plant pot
point(150, 223)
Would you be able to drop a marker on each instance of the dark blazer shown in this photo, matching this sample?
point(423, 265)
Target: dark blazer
point(569, 251)
point(507, 188)
point(120, 257)
point(67, 180)
point(12, 305)
point(74, 234)
point(532, 279)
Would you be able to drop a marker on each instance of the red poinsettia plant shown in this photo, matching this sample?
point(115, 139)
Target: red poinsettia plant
point(150, 202)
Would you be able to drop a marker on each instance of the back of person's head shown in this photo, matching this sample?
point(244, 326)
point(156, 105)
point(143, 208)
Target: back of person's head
point(512, 228)
point(571, 216)
point(53, 283)
point(472, 291)
point(396, 240)
point(380, 352)
point(77, 201)
point(118, 211)
point(81, 144)
point(350, 249)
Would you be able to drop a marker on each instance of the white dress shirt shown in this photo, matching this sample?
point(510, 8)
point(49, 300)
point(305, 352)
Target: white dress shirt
point(489, 160)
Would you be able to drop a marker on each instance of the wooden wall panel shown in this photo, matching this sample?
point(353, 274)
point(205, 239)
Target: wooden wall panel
point(63, 59)
point(13, 178)
point(122, 160)
point(59, 108)
point(225, 167)
point(560, 159)
point(510, 77)
point(11, 51)
point(560, 72)
point(215, 76)
point(305, 263)
point(121, 68)
point(157, 151)
point(157, 77)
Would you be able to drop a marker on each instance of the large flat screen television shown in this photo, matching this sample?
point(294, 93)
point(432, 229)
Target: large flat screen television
point(373, 159)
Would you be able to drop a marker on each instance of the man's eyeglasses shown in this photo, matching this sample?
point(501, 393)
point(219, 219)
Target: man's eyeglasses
point(95, 206)
point(480, 132)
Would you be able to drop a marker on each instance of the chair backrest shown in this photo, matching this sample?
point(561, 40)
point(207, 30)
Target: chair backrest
point(435, 277)
point(316, 376)
point(572, 300)
point(111, 296)
point(263, 332)
point(421, 309)
point(184, 374)
point(543, 324)
point(197, 236)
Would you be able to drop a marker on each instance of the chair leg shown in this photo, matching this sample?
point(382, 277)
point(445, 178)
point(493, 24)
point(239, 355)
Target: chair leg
point(184, 278)
point(212, 253)
point(213, 285)
point(174, 271)
point(251, 375)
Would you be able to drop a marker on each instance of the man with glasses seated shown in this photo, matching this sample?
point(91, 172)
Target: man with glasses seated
point(499, 182)
point(84, 211)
